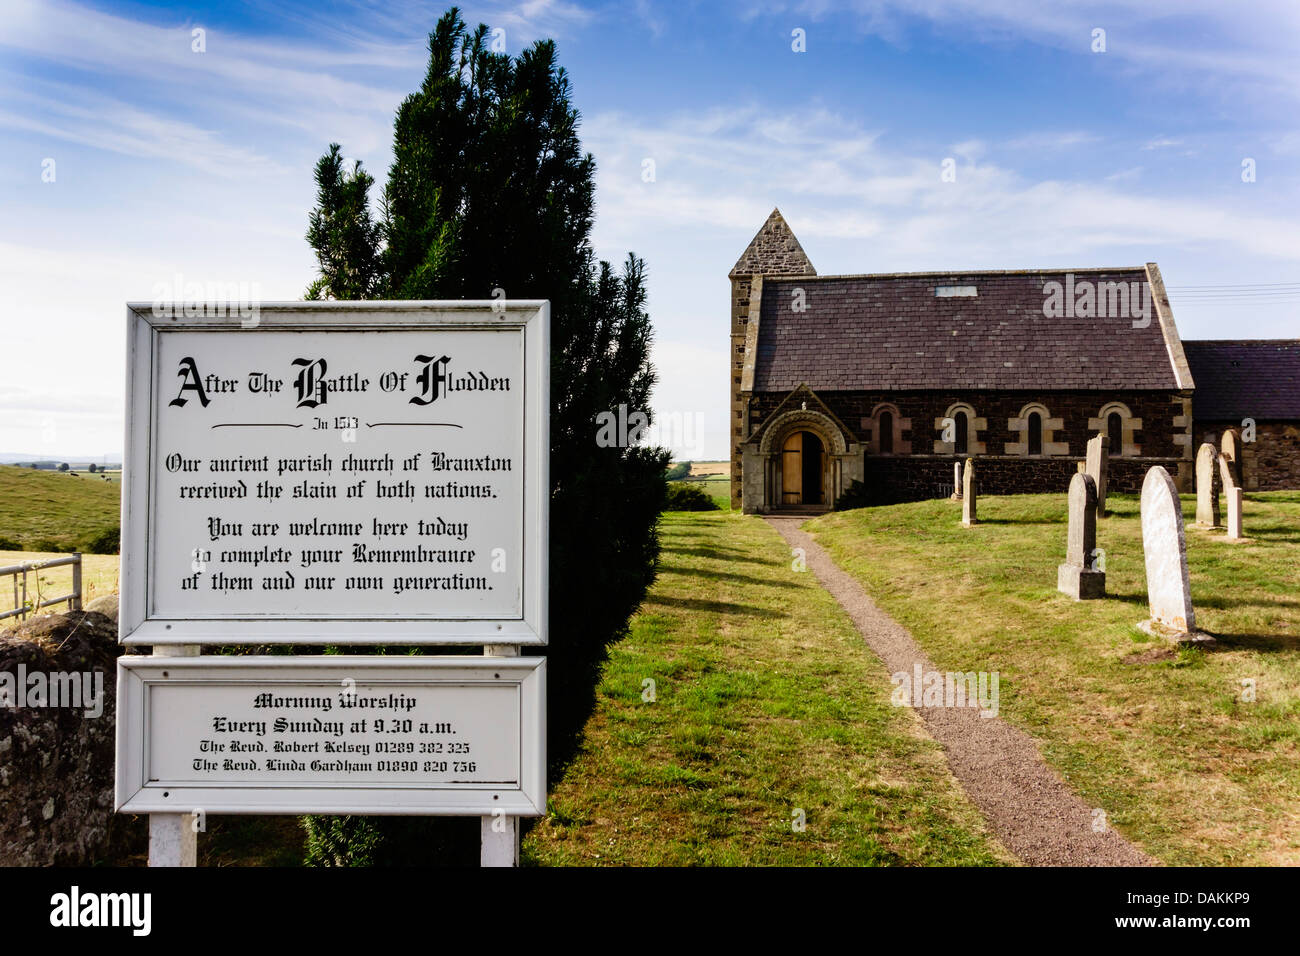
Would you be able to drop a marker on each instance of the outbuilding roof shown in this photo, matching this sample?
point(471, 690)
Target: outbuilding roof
point(1247, 378)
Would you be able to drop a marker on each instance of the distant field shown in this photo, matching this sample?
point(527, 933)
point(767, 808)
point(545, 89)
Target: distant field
point(709, 468)
point(50, 510)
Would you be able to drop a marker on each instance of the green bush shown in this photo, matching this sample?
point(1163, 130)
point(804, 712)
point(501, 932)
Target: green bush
point(9, 544)
point(678, 471)
point(51, 546)
point(684, 497)
point(105, 541)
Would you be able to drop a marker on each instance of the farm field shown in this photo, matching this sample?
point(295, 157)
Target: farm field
point(767, 711)
point(50, 510)
point(1167, 743)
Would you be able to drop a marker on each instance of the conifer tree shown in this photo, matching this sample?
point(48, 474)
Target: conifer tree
point(490, 194)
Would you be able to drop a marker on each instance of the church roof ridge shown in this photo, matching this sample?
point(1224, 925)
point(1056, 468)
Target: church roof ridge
point(966, 272)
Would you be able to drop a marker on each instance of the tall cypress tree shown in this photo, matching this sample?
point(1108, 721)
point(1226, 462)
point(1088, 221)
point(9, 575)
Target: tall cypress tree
point(490, 190)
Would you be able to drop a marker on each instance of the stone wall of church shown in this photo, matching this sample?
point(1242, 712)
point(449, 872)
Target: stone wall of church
point(926, 472)
point(1269, 463)
point(740, 290)
point(891, 479)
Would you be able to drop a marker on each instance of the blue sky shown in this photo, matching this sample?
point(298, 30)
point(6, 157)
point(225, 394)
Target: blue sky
point(173, 162)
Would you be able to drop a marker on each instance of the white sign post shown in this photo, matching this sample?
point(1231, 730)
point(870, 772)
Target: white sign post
point(333, 474)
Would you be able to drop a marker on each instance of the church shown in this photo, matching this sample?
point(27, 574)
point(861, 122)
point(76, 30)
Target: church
point(888, 379)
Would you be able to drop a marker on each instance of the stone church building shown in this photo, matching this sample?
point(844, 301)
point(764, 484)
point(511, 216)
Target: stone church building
point(889, 379)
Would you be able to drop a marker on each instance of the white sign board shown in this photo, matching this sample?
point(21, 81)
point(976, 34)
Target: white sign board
point(336, 734)
point(337, 473)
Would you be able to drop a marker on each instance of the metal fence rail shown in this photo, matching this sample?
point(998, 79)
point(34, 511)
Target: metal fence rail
point(19, 573)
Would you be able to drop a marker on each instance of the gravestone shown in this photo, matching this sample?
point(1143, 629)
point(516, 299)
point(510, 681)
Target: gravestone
point(968, 494)
point(1230, 450)
point(956, 481)
point(1234, 513)
point(1098, 459)
point(1164, 547)
point(1077, 577)
point(1207, 501)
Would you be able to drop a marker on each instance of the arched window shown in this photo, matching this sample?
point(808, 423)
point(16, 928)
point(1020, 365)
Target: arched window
point(1035, 438)
point(885, 436)
point(1116, 422)
point(957, 431)
point(1115, 431)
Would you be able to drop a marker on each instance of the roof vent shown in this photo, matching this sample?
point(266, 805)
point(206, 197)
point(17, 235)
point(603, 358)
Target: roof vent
point(948, 291)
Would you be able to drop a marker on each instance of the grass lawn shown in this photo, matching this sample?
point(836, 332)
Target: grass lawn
point(43, 508)
point(1163, 741)
point(766, 703)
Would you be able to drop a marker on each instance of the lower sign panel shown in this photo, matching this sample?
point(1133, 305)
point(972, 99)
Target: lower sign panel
point(460, 736)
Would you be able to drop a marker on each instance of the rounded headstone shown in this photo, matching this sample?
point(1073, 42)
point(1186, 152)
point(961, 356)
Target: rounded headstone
point(1164, 546)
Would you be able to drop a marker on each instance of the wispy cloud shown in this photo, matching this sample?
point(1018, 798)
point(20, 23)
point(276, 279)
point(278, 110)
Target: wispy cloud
point(835, 179)
point(1180, 42)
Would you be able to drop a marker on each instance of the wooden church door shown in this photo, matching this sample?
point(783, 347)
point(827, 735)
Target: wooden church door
point(792, 470)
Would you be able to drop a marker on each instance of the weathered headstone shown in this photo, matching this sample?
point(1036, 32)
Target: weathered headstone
point(968, 494)
point(956, 481)
point(1233, 495)
point(1078, 577)
point(1230, 455)
point(1207, 501)
point(1098, 459)
point(1164, 546)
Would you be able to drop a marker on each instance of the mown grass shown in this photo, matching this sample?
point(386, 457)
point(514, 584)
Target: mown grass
point(766, 703)
point(1163, 740)
point(50, 510)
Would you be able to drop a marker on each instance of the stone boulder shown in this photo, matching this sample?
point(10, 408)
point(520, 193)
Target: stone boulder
point(106, 605)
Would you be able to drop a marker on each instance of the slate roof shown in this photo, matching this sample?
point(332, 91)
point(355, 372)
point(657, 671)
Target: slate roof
point(892, 332)
point(1245, 379)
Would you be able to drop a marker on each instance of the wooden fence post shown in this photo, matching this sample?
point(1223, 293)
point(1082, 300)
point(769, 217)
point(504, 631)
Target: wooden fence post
point(75, 603)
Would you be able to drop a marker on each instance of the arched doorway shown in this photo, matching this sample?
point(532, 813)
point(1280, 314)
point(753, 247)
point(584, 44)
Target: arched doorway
point(803, 462)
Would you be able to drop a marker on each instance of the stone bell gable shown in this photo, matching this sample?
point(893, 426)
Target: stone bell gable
point(774, 251)
point(903, 374)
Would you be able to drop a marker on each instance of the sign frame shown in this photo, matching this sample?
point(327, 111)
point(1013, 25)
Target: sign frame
point(136, 675)
point(138, 625)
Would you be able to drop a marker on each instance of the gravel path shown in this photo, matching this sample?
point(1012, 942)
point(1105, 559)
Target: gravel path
point(1031, 809)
